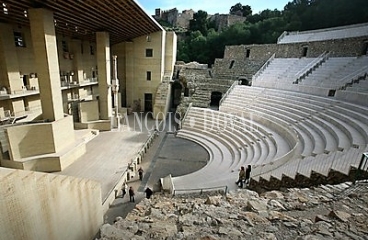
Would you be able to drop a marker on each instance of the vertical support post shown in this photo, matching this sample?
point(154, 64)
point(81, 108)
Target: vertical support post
point(47, 63)
point(115, 91)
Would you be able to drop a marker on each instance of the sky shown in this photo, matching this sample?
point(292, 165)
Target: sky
point(210, 6)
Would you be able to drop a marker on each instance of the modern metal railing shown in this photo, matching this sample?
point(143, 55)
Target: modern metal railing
point(311, 66)
point(263, 67)
point(228, 91)
point(363, 167)
point(354, 75)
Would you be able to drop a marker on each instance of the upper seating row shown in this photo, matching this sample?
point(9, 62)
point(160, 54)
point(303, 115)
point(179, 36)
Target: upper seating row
point(335, 73)
point(332, 73)
point(324, 34)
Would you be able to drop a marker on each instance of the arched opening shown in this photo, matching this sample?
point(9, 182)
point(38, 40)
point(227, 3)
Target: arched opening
point(215, 99)
point(176, 89)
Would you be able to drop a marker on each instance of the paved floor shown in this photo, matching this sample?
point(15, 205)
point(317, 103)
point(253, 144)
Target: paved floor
point(168, 155)
point(108, 154)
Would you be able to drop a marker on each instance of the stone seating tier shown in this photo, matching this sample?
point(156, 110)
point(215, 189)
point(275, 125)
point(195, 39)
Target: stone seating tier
point(325, 34)
point(346, 124)
point(355, 130)
point(254, 137)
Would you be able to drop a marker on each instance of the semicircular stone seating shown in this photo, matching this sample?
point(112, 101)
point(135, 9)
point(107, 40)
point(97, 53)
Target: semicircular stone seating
point(333, 134)
point(232, 142)
point(282, 134)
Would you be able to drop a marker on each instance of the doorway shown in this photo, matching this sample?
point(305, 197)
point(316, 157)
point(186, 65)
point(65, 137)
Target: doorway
point(148, 102)
point(176, 94)
point(215, 99)
point(305, 51)
point(365, 49)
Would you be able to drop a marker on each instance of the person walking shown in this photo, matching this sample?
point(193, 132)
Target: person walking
point(131, 194)
point(124, 188)
point(140, 172)
point(241, 177)
point(247, 174)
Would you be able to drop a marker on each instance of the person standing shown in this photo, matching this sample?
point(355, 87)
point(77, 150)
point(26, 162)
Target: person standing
point(247, 174)
point(140, 172)
point(148, 192)
point(131, 194)
point(124, 188)
point(241, 177)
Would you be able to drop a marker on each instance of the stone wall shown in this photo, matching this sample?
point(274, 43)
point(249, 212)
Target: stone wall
point(47, 206)
point(184, 18)
point(246, 60)
point(349, 47)
point(175, 18)
point(226, 20)
point(315, 213)
point(201, 83)
point(259, 52)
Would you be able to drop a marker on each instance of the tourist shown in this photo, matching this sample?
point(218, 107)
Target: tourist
point(148, 192)
point(140, 172)
point(247, 174)
point(131, 194)
point(124, 188)
point(241, 177)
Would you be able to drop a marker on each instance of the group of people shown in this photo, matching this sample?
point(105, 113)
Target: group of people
point(244, 176)
point(131, 191)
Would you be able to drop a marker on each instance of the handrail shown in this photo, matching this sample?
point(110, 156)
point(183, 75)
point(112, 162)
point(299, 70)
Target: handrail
point(363, 166)
point(228, 91)
point(358, 73)
point(185, 115)
point(200, 190)
point(281, 36)
point(263, 67)
point(311, 64)
point(305, 71)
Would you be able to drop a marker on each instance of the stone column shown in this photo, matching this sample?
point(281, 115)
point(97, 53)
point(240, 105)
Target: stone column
point(104, 74)
point(47, 62)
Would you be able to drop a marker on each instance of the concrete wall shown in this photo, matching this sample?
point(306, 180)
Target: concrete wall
point(18, 106)
point(170, 52)
point(137, 65)
point(38, 206)
point(42, 138)
point(20, 61)
point(32, 102)
point(88, 111)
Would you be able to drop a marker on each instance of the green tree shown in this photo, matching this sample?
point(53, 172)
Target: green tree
point(199, 22)
point(204, 46)
point(239, 8)
point(197, 47)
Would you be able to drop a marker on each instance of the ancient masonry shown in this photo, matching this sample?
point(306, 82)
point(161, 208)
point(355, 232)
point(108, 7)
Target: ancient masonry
point(325, 212)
